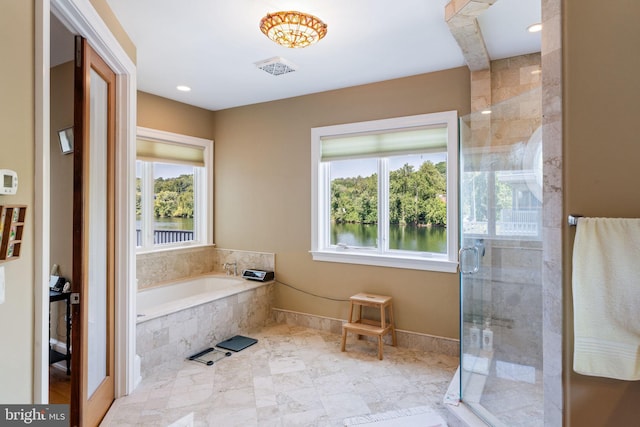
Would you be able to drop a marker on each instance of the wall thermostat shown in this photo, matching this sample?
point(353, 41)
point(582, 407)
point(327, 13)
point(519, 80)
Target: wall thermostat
point(8, 181)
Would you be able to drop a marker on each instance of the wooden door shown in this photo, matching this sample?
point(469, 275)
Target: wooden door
point(92, 382)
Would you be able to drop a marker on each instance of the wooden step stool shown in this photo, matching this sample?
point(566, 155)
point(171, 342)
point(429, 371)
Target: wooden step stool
point(361, 326)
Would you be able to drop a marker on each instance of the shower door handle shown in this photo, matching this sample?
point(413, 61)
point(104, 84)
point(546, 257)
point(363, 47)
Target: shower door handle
point(476, 260)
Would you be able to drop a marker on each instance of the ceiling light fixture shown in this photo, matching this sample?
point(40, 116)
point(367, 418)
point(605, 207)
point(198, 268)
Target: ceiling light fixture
point(293, 29)
point(183, 88)
point(534, 28)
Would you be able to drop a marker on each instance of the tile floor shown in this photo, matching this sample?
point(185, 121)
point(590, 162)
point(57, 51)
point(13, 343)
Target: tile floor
point(515, 403)
point(293, 376)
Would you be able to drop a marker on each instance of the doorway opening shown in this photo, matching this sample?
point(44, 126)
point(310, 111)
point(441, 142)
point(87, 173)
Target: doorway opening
point(79, 17)
point(61, 210)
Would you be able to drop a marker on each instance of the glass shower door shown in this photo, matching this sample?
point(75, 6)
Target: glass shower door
point(501, 265)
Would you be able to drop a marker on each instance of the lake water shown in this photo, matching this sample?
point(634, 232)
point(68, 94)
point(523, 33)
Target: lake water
point(170, 224)
point(407, 238)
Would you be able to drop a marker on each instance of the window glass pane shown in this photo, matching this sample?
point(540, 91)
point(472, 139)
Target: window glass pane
point(97, 217)
point(354, 202)
point(173, 206)
point(518, 211)
point(475, 214)
point(418, 202)
point(139, 222)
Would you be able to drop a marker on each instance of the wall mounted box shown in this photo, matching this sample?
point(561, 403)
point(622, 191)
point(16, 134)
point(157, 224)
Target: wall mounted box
point(8, 182)
point(11, 228)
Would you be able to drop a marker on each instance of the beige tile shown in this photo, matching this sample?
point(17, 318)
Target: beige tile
point(294, 376)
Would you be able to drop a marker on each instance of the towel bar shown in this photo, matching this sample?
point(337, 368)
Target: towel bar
point(573, 220)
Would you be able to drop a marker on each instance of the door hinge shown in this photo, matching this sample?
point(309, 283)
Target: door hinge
point(75, 298)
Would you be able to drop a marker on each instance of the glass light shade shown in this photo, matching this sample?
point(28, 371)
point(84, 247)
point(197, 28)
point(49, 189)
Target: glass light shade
point(293, 29)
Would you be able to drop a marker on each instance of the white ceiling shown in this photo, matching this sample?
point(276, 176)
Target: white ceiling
point(213, 45)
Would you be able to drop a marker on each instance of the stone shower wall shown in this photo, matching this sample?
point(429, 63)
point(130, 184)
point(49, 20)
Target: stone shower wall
point(552, 300)
point(508, 288)
point(516, 281)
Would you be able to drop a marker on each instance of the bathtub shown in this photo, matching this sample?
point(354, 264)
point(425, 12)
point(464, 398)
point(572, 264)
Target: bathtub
point(181, 295)
point(181, 318)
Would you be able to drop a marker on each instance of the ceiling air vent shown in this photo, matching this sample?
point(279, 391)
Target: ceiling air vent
point(276, 66)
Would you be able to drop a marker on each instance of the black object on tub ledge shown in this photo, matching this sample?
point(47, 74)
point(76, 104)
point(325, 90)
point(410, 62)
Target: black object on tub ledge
point(258, 275)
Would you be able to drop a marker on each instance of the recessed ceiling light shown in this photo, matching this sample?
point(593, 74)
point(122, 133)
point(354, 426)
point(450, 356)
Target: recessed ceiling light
point(183, 88)
point(535, 28)
point(485, 112)
point(538, 71)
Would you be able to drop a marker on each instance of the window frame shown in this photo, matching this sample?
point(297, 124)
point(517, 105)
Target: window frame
point(322, 250)
point(203, 191)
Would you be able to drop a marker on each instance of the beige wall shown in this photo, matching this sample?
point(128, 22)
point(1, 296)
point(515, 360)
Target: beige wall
point(61, 182)
point(601, 149)
point(164, 114)
point(61, 170)
point(263, 202)
point(17, 153)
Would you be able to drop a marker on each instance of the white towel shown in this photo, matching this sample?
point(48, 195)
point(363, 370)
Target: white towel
point(606, 298)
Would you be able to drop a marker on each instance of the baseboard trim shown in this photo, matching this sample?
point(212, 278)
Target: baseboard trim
point(406, 339)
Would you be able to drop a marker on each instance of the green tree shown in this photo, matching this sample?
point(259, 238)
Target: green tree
point(165, 204)
point(354, 200)
point(474, 196)
point(185, 205)
point(411, 191)
point(173, 197)
point(415, 197)
point(436, 211)
point(138, 197)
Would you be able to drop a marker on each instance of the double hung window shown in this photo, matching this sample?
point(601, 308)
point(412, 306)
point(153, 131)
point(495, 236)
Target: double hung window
point(384, 192)
point(173, 183)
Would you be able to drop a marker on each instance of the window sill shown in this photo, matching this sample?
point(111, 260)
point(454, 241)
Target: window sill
point(411, 263)
point(169, 248)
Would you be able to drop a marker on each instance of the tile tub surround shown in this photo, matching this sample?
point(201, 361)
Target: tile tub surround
point(245, 259)
point(160, 267)
point(189, 292)
point(164, 342)
point(163, 266)
point(293, 376)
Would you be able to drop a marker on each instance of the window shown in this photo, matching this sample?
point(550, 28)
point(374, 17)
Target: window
point(174, 177)
point(502, 194)
point(384, 192)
